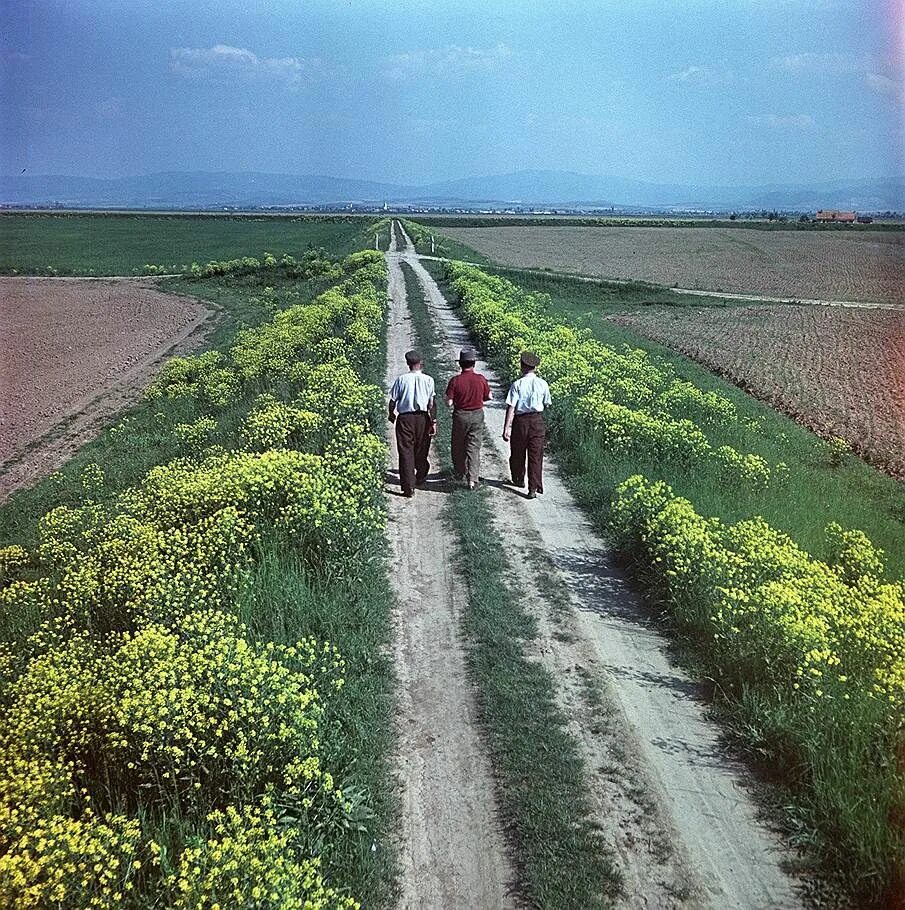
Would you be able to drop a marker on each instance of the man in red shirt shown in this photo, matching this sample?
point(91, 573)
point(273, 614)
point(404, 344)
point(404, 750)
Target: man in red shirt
point(466, 394)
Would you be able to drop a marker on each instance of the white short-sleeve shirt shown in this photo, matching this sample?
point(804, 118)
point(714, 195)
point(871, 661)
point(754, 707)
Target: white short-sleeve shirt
point(530, 393)
point(412, 391)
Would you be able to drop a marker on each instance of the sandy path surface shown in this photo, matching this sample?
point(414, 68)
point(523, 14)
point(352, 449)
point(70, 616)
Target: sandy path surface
point(452, 850)
point(733, 859)
point(72, 352)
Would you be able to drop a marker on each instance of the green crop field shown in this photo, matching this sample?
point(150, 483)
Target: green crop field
point(102, 244)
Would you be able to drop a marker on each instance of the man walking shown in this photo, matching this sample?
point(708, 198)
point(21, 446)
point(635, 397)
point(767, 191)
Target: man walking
point(466, 394)
point(413, 409)
point(524, 425)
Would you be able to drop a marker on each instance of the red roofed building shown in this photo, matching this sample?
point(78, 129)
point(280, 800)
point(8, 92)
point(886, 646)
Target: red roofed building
point(833, 215)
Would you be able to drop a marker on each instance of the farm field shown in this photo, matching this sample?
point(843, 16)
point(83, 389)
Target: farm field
point(81, 348)
point(831, 265)
point(236, 543)
point(836, 370)
point(125, 244)
point(712, 494)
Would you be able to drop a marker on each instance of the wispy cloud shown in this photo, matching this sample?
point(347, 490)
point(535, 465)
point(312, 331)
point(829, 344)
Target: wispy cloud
point(883, 85)
point(783, 121)
point(865, 67)
point(832, 62)
point(223, 63)
point(452, 60)
point(702, 75)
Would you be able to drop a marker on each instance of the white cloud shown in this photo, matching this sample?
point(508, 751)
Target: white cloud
point(109, 108)
point(224, 63)
point(883, 85)
point(784, 121)
point(701, 75)
point(452, 60)
point(822, 63)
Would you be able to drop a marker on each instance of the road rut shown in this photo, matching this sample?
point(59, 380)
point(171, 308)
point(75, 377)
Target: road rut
point(734, 860)
point(452, 850)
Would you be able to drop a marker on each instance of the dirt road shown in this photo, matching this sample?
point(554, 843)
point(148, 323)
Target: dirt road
point(717, 852)
point(72, 352)
point(451, 847)
point(692, 292)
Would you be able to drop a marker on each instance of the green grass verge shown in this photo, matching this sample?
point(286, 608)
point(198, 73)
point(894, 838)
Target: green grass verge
point(836, 769)
point(123, 244)
point(562, 860)
point(282, 602)
point(817, 492)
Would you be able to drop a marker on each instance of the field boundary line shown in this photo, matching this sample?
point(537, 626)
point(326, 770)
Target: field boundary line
point(689, 292)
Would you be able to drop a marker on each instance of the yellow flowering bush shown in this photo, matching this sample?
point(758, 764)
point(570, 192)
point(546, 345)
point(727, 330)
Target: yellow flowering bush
point(272, 423)
point(131, 695)
point(770, 608)
point(632, 402)
point(12, 560)
point(248, 862)
point(204, 376)
point(193, 436)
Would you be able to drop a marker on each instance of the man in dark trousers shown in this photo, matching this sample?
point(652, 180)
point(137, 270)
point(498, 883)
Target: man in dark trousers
point(524, 425)
point(413, 408)
point(466, 394)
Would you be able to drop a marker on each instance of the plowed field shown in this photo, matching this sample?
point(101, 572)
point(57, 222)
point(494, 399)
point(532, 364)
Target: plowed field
point(829, 265)
point(72, 352)
point(839, 371)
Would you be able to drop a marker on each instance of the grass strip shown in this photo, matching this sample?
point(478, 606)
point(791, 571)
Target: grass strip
point(285, 588)
point(562, 860)
point(835, 753)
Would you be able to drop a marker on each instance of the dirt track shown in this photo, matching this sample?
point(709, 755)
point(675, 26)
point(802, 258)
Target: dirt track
point(452, 853)
point(72, 352)
point(676, 808)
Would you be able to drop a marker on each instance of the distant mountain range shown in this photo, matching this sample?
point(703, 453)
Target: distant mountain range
point(202, 190)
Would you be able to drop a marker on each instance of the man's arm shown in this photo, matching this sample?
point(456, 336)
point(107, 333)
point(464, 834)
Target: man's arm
point(487, 395)
point(449, 392)
point(507, 423)
point(391, 411)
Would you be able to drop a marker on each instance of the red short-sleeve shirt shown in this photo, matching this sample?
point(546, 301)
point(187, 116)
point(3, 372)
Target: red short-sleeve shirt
point(468, 391)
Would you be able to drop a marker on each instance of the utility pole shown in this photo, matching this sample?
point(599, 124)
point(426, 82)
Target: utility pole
point(432, 244)
point(376, 242)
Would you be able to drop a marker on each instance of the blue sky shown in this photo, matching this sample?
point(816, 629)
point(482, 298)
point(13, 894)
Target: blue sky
point(684, 91)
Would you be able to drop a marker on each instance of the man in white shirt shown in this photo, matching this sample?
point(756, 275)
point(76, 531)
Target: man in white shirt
point(524, 427)
point(413, 409)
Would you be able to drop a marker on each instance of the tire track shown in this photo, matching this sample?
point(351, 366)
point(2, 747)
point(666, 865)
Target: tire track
point(735, 861)
point(452, 851)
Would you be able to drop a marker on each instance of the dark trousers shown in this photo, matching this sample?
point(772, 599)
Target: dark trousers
point(414, 442)
point(527, 439)
point(467, 434)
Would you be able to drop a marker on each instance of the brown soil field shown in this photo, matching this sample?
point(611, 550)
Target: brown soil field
point(858, 266)
point(839, 371)
point(72, 352)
